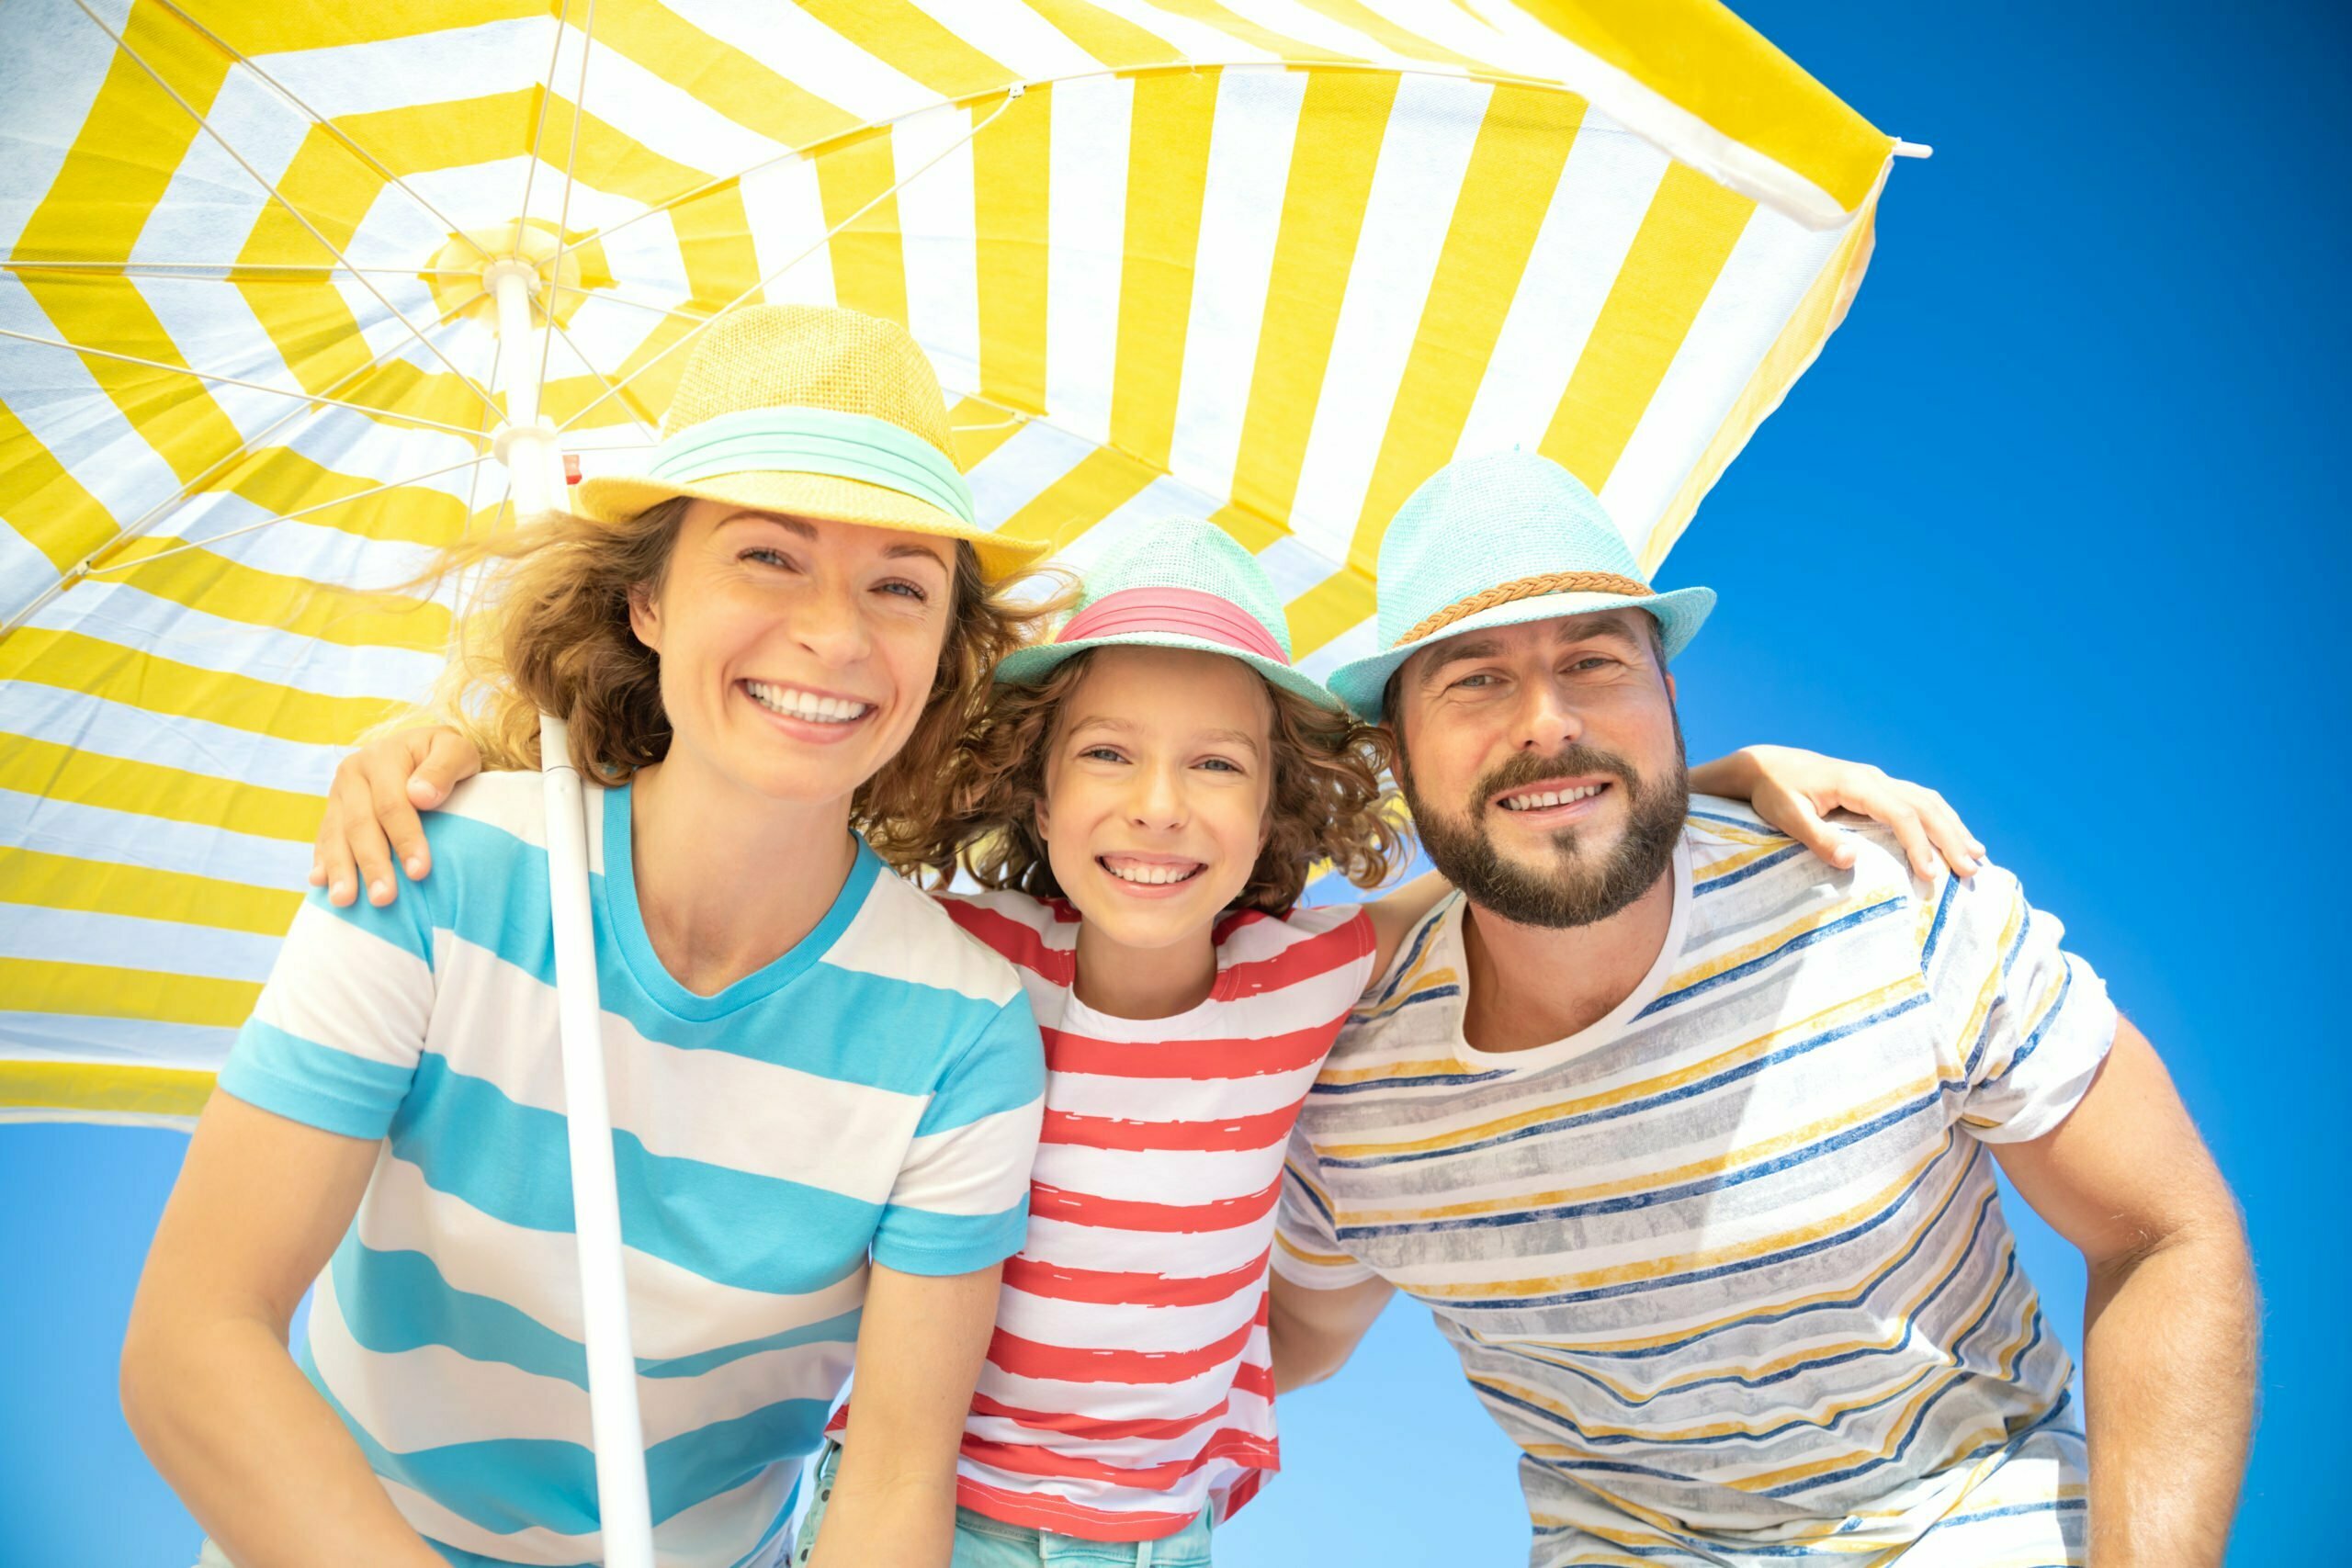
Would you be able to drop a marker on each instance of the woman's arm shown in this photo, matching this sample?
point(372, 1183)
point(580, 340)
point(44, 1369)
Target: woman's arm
point(919, 1351)
point(1795, 790)
point(230, 1421)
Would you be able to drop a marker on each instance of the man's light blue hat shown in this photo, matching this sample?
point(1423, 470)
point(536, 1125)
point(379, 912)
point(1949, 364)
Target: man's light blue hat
point(1501, 540)
point(1181, 584)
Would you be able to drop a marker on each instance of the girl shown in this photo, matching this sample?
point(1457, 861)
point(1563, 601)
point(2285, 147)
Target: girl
point(1144, 797)
point(769, 639)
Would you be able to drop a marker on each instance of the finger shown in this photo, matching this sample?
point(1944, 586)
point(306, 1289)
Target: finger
point(1912, 834)
point(1949, 834)
point(449, 762)
point(1800, 821)
point(398, 821)
point(334, 853)
point(372, 854)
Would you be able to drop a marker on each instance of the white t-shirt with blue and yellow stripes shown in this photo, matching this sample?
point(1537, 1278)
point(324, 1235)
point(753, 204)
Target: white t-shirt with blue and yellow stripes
point(1729, 1265)
point(874, 1093)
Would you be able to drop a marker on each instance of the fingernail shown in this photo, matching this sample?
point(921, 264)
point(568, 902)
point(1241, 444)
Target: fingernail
point(340, 891)
point(422, 792)
point(416, 866)
point(318, 874)
point(379, 891)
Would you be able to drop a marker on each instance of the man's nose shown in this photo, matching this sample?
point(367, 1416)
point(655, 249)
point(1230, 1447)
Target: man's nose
point(1546, 722)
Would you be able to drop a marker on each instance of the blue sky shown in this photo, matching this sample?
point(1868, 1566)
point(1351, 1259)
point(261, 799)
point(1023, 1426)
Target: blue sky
point(2054, 524)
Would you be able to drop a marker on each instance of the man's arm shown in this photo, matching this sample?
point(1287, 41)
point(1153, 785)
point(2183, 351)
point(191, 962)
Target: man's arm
point(1313, 1332)
point(2170, 1321)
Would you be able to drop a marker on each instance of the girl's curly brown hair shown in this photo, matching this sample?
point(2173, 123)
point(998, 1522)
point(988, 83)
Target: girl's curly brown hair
point(1325, 804)
point(551, 634)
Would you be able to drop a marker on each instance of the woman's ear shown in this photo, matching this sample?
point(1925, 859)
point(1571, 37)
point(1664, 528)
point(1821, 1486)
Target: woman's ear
point(644, 617)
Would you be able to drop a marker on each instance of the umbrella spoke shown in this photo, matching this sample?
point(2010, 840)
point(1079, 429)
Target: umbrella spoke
point(272, 192)
point(329, 127)
point(825, 239)
point(570, 159)
point(241, 381)
point(94, 569)
point(205, 269)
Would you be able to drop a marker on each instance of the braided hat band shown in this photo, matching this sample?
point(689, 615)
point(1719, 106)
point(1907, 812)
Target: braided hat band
point(1525, 588)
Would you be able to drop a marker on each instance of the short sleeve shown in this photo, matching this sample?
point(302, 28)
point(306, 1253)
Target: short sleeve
point(961, 1200)
point(1307, 1244)
point(335, 1038)
point(2023, 1024)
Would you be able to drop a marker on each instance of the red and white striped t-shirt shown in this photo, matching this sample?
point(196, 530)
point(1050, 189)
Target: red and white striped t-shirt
point(1129, 1384)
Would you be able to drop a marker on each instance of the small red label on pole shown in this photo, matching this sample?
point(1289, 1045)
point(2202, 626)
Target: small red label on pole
point(571, 467)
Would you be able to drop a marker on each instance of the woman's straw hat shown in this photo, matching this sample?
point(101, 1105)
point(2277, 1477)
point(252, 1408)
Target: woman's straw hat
point(815, 412)
point(1498, 541)
point(1178, 584)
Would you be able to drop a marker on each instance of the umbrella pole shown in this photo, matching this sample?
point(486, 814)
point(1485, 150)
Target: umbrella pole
point(526, 444)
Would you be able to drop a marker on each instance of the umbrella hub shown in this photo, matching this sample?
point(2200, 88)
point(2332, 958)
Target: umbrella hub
point(464, 285)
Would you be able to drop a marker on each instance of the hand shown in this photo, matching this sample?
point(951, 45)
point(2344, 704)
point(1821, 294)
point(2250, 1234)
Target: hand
point(1795, 790)
point(372, 810)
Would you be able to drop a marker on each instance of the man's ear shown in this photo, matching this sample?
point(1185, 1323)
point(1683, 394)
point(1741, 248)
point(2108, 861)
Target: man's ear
point(645, 618)
point(1671, 695)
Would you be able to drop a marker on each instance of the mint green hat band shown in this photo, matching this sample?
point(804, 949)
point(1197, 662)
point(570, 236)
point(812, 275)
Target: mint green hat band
point(816, 441)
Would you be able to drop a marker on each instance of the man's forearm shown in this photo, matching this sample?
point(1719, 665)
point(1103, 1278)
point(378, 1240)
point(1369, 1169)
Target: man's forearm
point(2169, 1376)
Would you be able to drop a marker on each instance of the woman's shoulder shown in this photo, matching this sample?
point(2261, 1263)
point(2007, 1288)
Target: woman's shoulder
point(902, 933)
point(494, 811)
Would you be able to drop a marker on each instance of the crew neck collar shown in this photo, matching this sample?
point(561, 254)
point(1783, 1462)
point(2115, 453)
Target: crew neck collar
point(1602, 1029)
point(617, 890)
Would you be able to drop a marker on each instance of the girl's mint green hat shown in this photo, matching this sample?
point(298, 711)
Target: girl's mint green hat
point(1498, 541)
point(1181, 584)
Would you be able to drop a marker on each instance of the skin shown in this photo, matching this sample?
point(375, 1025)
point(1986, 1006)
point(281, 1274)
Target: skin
point(2171, 1311)
point(209, 1388)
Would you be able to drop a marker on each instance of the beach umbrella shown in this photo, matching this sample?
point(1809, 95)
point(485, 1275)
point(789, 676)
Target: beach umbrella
point(293, 297)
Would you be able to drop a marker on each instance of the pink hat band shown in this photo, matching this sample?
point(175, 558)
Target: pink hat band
point(1175, 611)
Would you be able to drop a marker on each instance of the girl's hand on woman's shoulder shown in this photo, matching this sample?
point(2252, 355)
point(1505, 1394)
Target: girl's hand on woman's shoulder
point(371, 817)
point(1794, 791)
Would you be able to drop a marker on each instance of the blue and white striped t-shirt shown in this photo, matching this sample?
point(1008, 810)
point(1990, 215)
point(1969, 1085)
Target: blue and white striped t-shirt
point(1729, 1265)
point(876, 1092)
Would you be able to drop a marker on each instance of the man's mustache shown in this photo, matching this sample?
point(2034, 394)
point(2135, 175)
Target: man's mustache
point(1574, 760)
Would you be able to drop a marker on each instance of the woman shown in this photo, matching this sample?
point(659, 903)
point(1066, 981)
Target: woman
point(825, 1099)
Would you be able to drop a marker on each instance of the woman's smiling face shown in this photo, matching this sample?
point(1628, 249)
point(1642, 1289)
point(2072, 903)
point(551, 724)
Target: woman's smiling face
point(796, 656)
point(1158, 776)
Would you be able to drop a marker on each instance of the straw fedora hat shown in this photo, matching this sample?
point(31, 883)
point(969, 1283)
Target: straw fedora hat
point(1501, 540)
point(816, 412)
point(1178, 584)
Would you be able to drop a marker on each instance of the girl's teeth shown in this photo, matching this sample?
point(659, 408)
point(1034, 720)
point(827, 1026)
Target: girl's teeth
point(794, 703)
point(1149, 876)
point(1550, 797)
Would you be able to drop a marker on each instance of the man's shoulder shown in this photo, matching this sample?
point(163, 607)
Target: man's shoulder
point(1421, 991)
point(1732, 847)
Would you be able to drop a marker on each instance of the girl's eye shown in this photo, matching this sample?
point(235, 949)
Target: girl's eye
point(1221, 764)
point(1102, 754)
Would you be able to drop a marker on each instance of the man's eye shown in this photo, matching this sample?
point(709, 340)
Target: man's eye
point(1593, 661)
point(1470, 683)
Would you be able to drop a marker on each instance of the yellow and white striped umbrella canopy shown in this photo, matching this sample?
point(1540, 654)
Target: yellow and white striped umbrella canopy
point(1267, 261)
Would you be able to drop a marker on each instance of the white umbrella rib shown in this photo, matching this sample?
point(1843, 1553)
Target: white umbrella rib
point(329, 127)
point(273, 193)
point(826, 238)
point(570, 159)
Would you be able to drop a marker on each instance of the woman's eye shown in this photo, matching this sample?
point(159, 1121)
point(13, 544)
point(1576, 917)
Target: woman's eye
point(913, 591)
point(765, 557)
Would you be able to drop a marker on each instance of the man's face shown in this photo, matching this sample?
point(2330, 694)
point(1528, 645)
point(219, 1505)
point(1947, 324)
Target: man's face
point(1544, 764)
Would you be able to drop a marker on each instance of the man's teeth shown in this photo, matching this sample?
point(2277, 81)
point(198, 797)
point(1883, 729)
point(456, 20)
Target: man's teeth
point(1542, 798)
point(794, 703)
point(1150, 875)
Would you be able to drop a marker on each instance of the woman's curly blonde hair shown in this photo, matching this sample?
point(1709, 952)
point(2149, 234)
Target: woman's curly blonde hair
point(1326, 802)
point(550, 633)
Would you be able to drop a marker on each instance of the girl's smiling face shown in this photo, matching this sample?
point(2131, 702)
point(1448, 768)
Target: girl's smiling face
point(796, 656)
point(1158, 777)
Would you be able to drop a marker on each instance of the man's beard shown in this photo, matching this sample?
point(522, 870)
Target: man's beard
point(1577, 889)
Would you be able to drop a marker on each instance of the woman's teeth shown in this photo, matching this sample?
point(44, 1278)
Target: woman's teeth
point(1539, 800)
point(794, 703)
point(1150, 875)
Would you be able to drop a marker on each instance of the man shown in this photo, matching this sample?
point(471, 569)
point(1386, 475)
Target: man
point(1682, 1133)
